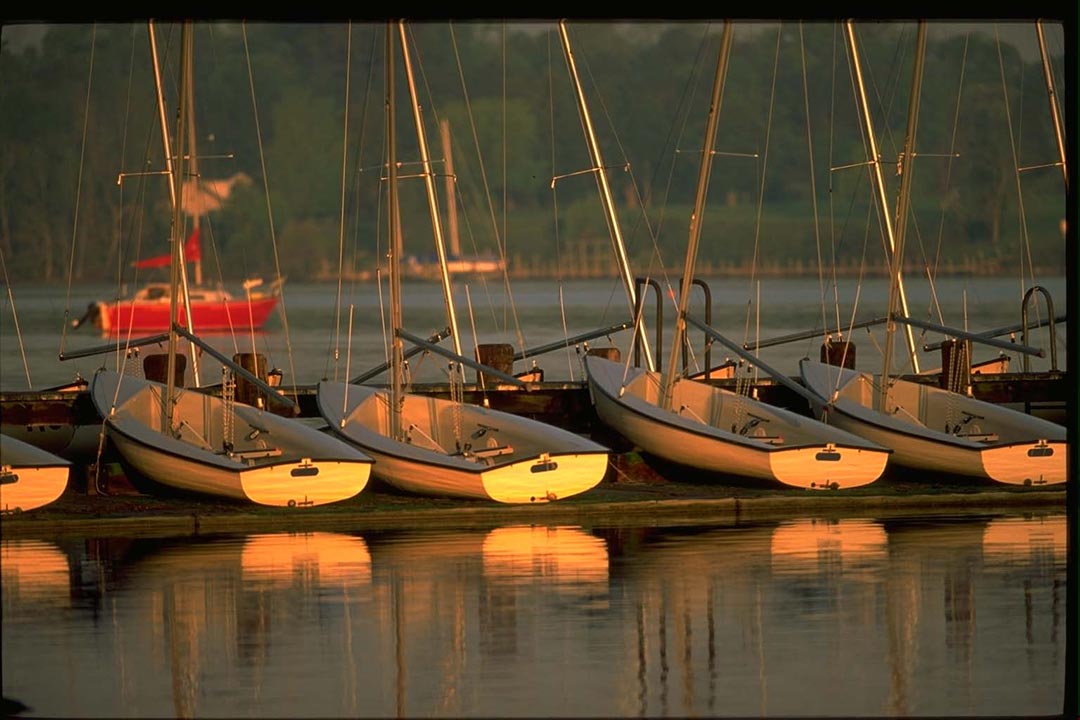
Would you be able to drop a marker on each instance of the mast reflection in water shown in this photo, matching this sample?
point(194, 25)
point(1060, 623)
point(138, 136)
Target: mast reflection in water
point(844, 616)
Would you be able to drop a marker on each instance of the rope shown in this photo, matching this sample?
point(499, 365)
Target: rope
point(228, 400)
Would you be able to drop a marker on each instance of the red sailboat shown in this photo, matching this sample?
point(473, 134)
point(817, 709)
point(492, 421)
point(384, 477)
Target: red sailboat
point(212, 309)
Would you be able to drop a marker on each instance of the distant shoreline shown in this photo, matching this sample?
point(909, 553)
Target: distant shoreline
point(707, 270)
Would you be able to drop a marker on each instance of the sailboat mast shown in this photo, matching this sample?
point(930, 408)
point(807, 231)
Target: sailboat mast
point(174, 194)
point(451, 206)
point(193, 159)
point(896, 280)
point(696, 219)
point(162, 115)
point(177, 180)
point(906, 168)
point(1054, 114)
point(605, 197)
point(397, 358)
point(429, 185)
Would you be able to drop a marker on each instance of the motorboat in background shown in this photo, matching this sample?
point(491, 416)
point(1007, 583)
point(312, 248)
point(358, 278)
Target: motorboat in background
point(211, 309)
point(189, 440)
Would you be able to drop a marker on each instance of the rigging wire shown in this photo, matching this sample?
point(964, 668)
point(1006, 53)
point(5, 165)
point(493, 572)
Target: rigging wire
point(833, 94)
point(15, 317)
point(1025, 242)
point(873, 210)
point(555, 215)
point(78, 185)
point(837, 231)
point(356, 253)
point(141, 216)
point(119, 239)
point(555, 207)
point(269, 209)
point(341, 225)
point(682, 120)
point(813, 178)
point(211, 240)
point(500, 236)
point(642, 216)
point(763, 172)
point(952, 154)
point(380, 218)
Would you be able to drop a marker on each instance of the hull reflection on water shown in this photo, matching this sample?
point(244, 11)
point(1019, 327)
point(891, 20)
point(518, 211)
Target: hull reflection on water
point(1027, 537)
point(35, 575)
point(454, 604)
point(817, 545)
point(819, 616)
point(320, 558)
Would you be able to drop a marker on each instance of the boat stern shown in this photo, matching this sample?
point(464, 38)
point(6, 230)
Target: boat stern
point(305, 483)
point(828, 467)
point(546, 478)
point(1044, 462)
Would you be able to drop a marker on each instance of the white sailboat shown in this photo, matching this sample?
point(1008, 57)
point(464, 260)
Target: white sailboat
point(448, 448)
point(930, 428)
point(698, 425)
point(191, 441)
point(29, 476)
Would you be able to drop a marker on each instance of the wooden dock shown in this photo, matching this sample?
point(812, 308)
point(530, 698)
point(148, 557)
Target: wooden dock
point(65, 421)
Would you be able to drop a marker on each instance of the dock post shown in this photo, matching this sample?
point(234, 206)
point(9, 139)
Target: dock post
point(246, 391)
point(156, 368)
point(839, 352)
point(496, 355)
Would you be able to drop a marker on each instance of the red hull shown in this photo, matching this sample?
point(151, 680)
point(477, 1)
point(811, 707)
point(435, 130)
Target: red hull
point(209, 316)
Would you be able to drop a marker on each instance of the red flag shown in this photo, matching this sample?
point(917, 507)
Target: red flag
point(192, 253)
point(192, 250)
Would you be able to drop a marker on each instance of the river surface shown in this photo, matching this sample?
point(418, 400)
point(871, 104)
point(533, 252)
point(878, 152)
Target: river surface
point(311, 338)
point(908, 615)
point(931, 615)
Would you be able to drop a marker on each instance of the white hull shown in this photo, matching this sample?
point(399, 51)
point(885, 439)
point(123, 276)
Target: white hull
point(764, 442)
point(29, 476)
point(976, 439)
point(272, 461)
point(463, 451)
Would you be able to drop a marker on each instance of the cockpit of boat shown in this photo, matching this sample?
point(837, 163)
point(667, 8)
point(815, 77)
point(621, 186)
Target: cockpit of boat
point(160, 292)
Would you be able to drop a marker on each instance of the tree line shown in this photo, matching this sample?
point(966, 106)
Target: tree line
point(301, 110)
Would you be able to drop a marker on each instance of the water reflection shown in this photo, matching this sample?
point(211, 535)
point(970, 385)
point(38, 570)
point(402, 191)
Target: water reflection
point(840, 616)
point(454, 604)
point(34, 573)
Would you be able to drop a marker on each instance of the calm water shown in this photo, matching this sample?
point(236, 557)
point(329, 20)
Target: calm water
point(811, 617)
point(535, 313)
point(854, 617)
